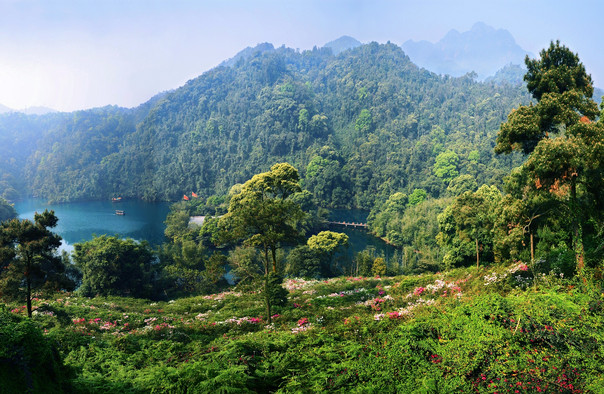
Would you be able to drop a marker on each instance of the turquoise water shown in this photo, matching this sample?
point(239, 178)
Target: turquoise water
point(79, 221)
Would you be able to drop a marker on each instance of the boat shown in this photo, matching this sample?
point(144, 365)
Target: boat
point(119, 212)
point(116, 199)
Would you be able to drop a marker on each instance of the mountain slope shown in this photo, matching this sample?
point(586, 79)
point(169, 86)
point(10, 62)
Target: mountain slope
point(358, 126)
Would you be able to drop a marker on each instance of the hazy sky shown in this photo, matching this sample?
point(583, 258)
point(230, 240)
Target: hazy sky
point(76, 54)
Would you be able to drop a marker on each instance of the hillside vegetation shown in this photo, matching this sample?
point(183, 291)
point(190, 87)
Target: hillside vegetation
point(359, 126)
point(493, 329)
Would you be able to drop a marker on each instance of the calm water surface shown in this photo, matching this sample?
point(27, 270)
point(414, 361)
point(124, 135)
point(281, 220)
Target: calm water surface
point(79, 221)
point(359, 239)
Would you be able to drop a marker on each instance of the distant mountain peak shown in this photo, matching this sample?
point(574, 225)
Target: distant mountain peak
point(247, 53)
point(342, 44)
point(482, 49)
point(36, 110)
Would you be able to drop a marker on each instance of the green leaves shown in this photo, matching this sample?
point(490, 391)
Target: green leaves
point(111, 266)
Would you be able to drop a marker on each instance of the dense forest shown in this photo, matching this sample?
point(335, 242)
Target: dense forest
point(359, 126)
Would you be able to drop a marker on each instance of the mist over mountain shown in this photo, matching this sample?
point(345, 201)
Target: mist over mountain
point(28, 111)
point(342, 44)
point(483, 49)
point(510, 73)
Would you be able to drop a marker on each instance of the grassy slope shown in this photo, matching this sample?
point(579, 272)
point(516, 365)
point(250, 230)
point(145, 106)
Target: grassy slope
point(483, 330)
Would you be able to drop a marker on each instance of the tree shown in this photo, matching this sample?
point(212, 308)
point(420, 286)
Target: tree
point(469, 221)
point(304, 262)
point(246, 264)
point(417, 197)
point(183, 264)
point(29, 259)
point(327, 243)
point(445, 166)
point(565, 164)
point(264, 216)
point(113, 266)
point(563, 90)
point(7, 211)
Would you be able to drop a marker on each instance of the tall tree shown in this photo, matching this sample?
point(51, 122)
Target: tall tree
point(560, 134)
point(29, 259)
point(263, 215)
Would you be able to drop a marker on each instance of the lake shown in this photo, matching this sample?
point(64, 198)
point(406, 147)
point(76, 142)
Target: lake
point(359, 239)
point(79, 221)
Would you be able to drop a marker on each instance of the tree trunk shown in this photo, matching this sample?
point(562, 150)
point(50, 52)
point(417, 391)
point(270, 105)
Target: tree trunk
point(274, 255)
point(532, 247)
point(477, 254)
point(267, 299)
point(266, 261)
point(28, 296)
point(577, 230)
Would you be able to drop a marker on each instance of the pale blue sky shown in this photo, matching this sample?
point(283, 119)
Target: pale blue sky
point(75, 54)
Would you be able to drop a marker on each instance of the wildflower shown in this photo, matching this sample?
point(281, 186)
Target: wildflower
point(418, 290)
point(303, 321)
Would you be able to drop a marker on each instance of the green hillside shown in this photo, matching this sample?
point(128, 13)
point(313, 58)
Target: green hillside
point(359, 126)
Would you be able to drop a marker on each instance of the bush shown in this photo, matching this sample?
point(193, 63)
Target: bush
point(28, 362)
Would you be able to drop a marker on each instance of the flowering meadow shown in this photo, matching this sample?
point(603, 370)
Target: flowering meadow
point(483, 330)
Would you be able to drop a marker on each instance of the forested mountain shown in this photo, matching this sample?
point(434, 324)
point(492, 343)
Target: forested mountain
point(361, 125)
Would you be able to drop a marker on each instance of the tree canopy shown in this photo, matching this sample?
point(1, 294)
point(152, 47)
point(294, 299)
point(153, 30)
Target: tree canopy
point(28, 258)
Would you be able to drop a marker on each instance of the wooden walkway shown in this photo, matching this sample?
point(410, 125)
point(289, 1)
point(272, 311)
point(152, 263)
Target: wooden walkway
point(347, 224)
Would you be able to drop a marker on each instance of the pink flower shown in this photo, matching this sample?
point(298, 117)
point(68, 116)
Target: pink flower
point(418, 290)
point(303, 321)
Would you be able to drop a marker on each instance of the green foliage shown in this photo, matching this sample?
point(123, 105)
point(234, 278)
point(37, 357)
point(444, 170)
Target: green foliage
point(305, 262)
point(29, 260)
point(262, 215)
point(364, 122)
point(327, 242)
point(379, 267)
point(246, 264)
point(29, 363)
point(7, 211)
point(564, 168)
point(417, 197)
point(461, 184)
point(112, 266)
point(445, 166)
point(461, 331)
point(467, 225)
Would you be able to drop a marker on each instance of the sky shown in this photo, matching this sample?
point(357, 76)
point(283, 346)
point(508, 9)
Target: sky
point(77, 54)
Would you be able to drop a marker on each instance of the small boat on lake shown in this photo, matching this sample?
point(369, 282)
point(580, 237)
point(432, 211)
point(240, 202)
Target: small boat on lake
point(116, 199)
point(119, 212)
